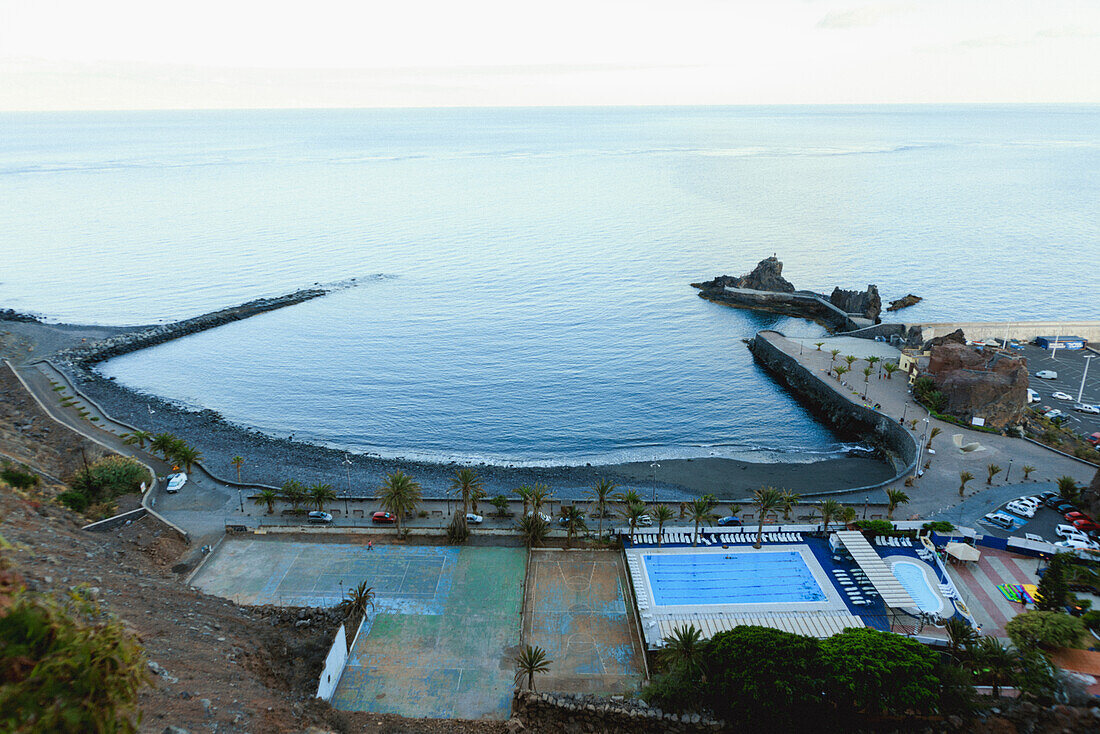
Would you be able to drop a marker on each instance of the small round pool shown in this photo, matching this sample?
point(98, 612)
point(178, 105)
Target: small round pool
point(914, 580)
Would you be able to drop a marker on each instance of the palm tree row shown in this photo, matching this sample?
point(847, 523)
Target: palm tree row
point(174, 450)
point(297, 494)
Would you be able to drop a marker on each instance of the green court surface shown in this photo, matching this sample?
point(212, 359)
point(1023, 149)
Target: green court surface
point(577, 610)
point(441, 642)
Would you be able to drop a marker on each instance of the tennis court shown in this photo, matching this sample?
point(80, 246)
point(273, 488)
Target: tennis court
point(577, 611)
point(439, 645)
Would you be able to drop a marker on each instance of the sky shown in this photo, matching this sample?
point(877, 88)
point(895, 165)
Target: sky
point(137, 54)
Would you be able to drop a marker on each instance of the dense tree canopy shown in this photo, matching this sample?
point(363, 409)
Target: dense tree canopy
point(879, 672)
point(1044, 629)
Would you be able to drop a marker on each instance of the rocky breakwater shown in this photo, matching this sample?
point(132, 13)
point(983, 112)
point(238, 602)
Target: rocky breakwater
point(973, 383)
point(766, 289)
point(548, 713)
point(86, 355)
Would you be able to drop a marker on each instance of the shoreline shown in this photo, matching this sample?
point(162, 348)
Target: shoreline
point(272, 460)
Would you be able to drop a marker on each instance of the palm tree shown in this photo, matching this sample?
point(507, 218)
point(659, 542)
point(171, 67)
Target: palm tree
point(186, 456)
point(936, 430)
point(601, 496)
point(850, 359)
point(530, 661)
point(960, 636)
point(895, 497)
point(700, 511)
point(466, 486)
point(964, 477)
point(997, 661)
point(848, 515)
point(890, 368)
point(663, 513)
point(267, 496)
point(574, 521)
point(1067, 488)
point(833, 352)
point(818, 345)
point(840, 370)
point(765, 500)
point(237, 462)
point(139, 437)
point(629, 497)
point(683, 649)
point(788, 501)
point(294, 493)
point(533, 529)
point(991, 471)
point(867, 373)
point(163, 443)
point(501, 503)
point(540, 493)
point(357, 600)
point(400, 494)
point(873, 360)
point(1028, 468)
point(321, 493)
point(632, 513)
point(829, 509)
point(524, 493)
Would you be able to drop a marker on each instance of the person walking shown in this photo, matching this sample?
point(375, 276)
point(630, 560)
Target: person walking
point(370, 545)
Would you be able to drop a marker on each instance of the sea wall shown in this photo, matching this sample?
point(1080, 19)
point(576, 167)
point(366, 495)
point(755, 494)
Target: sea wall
point(803, 304)
point(834, 408)
point(88, 354)
point(1020, 330)
point(548, 713)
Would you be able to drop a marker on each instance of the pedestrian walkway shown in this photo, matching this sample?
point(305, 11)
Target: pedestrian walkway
point(977, 582)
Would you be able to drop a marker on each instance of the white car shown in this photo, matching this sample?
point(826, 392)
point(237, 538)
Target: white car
point(1074, 544)
point(1071, 533)
point(1086, 408)
point(644, 521)
point(175, 482)
point(1052, 415)
point(1032, 396)
point(474, 518)
point(1000, 519)
point(1047, 375)
point(1021, 508)
point(1062, 396)
point(542, 515)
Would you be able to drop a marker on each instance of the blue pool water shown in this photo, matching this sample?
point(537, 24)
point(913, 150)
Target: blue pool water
point(737, 578)
point(913, 579)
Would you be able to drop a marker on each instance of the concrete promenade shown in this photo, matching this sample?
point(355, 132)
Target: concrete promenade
point(938, 489)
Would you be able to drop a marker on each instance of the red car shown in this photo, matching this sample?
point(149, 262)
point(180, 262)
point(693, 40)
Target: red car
point(1071, 516)
point(1086, 525)
point(385, 518)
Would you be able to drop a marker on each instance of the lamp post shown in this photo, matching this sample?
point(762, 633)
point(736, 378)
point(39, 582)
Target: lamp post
point(655, 466)
point(240, 499)
point(1008, 471)
point(1085, 374)
point(347, 465)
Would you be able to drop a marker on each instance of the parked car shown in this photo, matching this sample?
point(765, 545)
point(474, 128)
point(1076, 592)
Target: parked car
point(1047, 375)
point(645, 521)
point(1063, 506)
point(729, 520)
point(1094, 438)
point(1086, 525)
point(383, 518)
point(1055, 415)
point(1074, 544)
point(999, 519)
point(1086, 408)
point(1068, 531)
point(1075, 515)
point(320, 518)
point(1023, 509)
point(474, 519)
point(175, 482)
point(1032, 396)
point(542, 515)
point(1062, 396)
point(1044, 496)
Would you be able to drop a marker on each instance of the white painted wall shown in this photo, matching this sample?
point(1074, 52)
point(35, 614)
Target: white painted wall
point(334, 665)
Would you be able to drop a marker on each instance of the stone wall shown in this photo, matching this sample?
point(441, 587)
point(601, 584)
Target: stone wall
point(835, 409)
point(802, 304)
point(88, 354)
point(549, 713)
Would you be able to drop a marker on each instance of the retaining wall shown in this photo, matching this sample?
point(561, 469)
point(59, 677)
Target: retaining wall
point(570, 713)
point(334, 666)
point(1021, 330)
point(117, 521)
point(835, 409)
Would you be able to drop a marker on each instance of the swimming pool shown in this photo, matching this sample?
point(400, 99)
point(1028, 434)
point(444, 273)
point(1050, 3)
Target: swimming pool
point(914, 580)
point(684, 579)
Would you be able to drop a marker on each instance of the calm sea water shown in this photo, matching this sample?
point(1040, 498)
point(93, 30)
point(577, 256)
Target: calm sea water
point(533, 304)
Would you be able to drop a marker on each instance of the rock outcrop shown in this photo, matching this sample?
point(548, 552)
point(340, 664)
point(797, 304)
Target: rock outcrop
point(905, 302)
point(980, 384)
point(866, 303)
point(766, 276)
point(1090, 498)
point(955, 337)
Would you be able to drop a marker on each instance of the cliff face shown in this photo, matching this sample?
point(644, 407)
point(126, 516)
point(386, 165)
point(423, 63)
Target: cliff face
point(866, 303)
point(766, 276)
point(979, 385)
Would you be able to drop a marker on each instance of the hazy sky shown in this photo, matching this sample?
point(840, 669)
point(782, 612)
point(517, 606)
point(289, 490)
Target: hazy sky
point(111, 54)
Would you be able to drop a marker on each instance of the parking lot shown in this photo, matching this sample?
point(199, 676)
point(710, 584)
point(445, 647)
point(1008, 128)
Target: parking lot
point(1070, 365)
point(1041, 526)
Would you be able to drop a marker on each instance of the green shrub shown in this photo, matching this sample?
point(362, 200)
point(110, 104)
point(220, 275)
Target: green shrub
point(67, 667)
point(876, 527)
point(938, 526)
point(674, 691)
point(74, 499)
point(1045, 630)
point(1092, 620)
point(871, 671)
point(924, 390)
point(110, 477)
point(17, 477)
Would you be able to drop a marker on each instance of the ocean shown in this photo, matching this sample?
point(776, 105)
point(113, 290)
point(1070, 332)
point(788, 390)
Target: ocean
point(522, 275)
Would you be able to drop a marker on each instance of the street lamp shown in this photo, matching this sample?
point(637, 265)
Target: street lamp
point(654, 466)
point(347, 465)
point(1081, 391)
point(240, 499)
